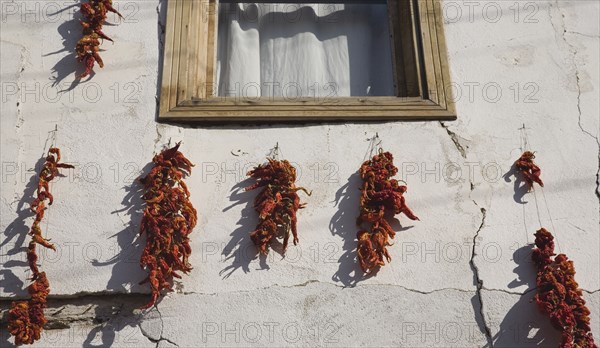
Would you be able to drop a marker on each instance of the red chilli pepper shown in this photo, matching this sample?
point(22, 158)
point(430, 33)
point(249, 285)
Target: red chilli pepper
point(277, 204)
point(380, 196)
point(530, 171)
point(558, 294)
point(26, 318)
point(88, 47)
point(168, 220)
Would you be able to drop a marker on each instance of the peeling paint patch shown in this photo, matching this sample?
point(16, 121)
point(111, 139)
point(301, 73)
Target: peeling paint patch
point(522, 55)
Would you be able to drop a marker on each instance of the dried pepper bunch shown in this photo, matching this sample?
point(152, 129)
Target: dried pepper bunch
point(168, 220)
point(530, 171)
point(277, 204)
point(26, 318)
point(381, 197)
point(558, 294)
point(88, 47)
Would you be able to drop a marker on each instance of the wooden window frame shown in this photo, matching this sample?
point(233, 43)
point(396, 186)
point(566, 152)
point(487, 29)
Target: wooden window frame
point(190, 54)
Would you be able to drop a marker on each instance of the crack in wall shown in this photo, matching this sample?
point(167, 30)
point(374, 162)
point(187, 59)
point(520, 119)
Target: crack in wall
point(160, 338)
point(21, 68)
point(422, 292)
point(478, 281)
point(582, 34)
point(530, 290)
point(455, 140)
point(509, 292)
point(574, 52)
point(159, 136)
point(98, 296)
point(95, 297)
point(580, 114)
point(20, 119)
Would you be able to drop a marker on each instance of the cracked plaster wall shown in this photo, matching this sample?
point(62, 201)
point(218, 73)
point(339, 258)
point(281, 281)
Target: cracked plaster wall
point(460, 277)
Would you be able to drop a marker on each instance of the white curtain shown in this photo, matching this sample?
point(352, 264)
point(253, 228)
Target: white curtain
point(303, 50)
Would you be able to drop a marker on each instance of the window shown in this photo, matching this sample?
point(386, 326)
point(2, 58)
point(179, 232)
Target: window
point(287, 60)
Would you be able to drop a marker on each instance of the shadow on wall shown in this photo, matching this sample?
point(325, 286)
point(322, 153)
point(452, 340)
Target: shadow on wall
point(68, 65)
point(520, 186)
point(343, 224)
point(240, 249)
point(93, 321)
point(112, 320)
point(15, 235)
point(112, 330)
point(119, 323)
point(126, 272)
point(524, 325)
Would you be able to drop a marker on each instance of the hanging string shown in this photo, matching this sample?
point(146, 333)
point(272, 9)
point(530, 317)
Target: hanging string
point(52, 138)
point(50, 184)
point(374, 143)
point(275, 152)
point(554, 230)
point(369, 148)
point(523, 144)
point(533, 189)
point(525, 147)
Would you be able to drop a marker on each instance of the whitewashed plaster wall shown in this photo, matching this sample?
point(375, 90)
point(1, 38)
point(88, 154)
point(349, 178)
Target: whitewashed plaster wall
point(459, 277)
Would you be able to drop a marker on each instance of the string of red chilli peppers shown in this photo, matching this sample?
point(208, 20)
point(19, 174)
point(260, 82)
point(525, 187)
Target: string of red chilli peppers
point(88, 47)
point(530, 171)
point(381, 197)
point(168, 220)
point(277, 204)
point(558, 294)
point(26, 318)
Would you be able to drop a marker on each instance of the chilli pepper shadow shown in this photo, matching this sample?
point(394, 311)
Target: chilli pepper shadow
point(18, 229)
point(67, 65)
point(524, 325)
point(343, 224)
point(520, 186)
point(126, 271)
point(240, 249)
